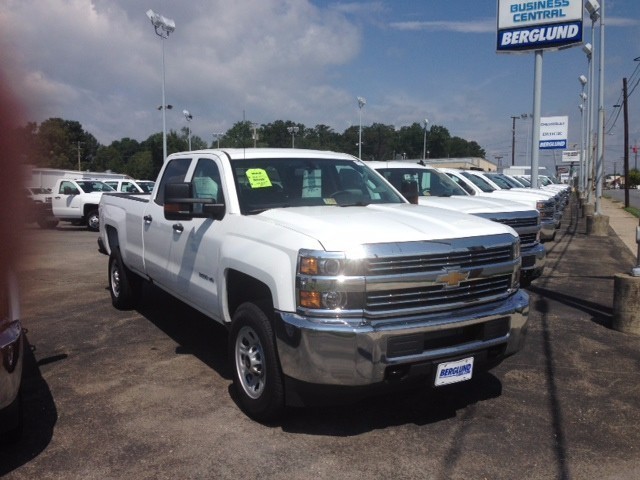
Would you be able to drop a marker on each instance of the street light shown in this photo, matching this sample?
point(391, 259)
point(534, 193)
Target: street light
point(424, 144)
point(596, 11)
point(587, 48)
point(217, 136)
point(163, 27)
point(188, 117)
point(522, 116)
point(293, 131)
point(361, 103)
point(583, 100)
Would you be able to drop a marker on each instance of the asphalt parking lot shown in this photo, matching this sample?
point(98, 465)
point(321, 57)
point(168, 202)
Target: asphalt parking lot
point(146, 393)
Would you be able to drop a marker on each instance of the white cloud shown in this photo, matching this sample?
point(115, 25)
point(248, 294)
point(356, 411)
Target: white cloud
point(88, 60)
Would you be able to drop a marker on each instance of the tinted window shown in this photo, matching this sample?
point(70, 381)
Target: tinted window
point(174, 172)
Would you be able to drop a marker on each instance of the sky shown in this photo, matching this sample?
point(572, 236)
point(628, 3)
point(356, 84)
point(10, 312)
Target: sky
point(99, 62)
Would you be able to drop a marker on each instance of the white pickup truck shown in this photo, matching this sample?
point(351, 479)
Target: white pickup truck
point(76, 201)
point(433, 188)
point(326, 277)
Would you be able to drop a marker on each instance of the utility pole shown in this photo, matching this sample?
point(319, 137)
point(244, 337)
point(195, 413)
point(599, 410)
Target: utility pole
point(79, 167)
point(626, 142)
point(513, 141)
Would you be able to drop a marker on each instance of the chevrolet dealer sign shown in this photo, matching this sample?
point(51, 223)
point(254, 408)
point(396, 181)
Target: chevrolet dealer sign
point(538, 25)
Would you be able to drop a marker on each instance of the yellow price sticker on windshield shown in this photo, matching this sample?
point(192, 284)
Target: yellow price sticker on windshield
point(258, 178)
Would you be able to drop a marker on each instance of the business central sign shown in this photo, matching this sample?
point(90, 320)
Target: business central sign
point(553, 132)
point(538, 25)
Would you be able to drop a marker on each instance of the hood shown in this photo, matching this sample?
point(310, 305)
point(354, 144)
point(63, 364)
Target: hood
point(344, 228)
point(473, 204)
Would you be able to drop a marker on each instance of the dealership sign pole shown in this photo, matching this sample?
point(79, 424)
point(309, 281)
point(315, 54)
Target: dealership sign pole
point(525, 26)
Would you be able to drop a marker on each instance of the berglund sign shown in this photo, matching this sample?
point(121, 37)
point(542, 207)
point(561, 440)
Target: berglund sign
point(538, 25)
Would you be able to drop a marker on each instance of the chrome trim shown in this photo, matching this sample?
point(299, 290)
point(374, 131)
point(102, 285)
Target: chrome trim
point(341, 354)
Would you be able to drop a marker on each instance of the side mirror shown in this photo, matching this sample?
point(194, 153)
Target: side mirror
point(179, 204)
point(409, 190)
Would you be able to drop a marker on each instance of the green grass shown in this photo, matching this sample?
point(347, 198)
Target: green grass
point(633, 211)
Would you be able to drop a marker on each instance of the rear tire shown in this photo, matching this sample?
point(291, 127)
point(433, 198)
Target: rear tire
point(124, 285)
point(257, 376)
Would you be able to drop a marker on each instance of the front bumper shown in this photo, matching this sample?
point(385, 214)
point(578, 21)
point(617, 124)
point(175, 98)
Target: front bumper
point(547, 230)
point(533, 260)
point(345, 355)
point(11, 361)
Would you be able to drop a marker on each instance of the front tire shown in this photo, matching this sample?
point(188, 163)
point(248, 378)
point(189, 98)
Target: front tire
point(93, 220)
point(124, 285)
point(256, 369)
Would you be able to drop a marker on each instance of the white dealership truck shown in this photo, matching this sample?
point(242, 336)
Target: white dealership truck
point(434, 188)
point(326, 277)
point(76, 201)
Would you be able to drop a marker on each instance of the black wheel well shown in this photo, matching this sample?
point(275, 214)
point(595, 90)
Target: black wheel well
point(244, 288)
point(112, 237)
point(89, 207)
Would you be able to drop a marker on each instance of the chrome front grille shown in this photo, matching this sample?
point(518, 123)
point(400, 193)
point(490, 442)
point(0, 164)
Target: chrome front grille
point(475, 257)
point(417, 278)
point(439, 296)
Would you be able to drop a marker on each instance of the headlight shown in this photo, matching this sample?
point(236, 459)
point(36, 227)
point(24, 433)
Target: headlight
point(516, 250)
point(329, 284)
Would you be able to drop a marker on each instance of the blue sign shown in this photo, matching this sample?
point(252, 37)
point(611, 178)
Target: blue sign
point(538, 24)
point(552, 144)
point(540, 37)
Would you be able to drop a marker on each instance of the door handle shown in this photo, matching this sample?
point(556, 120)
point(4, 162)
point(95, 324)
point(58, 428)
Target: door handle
point(147, 218)
point(178, 228)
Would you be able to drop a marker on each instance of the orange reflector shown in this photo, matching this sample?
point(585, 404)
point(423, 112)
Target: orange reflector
point(309, 266)
point(310, 299)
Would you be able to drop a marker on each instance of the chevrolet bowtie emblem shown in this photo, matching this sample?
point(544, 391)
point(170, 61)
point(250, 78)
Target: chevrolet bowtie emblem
point(452, 279)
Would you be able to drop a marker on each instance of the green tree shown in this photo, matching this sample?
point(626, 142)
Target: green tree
point(410, 140)
point(634, 178)
point(64, 144)
point(322, 137)
point(438, 141)
point(140, 166)
point(379, 141)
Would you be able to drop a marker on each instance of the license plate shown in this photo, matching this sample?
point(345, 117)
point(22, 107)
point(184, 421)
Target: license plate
point(453, 372)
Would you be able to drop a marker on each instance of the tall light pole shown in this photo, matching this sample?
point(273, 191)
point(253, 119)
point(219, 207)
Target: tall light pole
point(163, 27)
point(513, 140)
point(217, 136)
point(361, 103)
point(188, 117)
point(583, 100)
point(424, 143)
point(293, 131)
point(254, 126)
point(588, 50)
point(596, 10)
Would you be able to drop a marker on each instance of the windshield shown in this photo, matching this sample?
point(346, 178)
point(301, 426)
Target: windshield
point(295, 182)
point(498, 180)
point(147, 186)
point(89, 186)
point(510, 181)
point(481, 183)
point(430, 182)
point(524, 181)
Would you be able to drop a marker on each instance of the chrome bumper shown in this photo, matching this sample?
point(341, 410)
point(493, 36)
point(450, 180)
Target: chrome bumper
point(345, 355)
point(547, 230)
point(533, 259)
point(11, 360)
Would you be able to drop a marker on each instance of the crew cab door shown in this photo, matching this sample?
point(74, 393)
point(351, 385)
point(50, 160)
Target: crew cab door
point(65, 201)
point(184, 254)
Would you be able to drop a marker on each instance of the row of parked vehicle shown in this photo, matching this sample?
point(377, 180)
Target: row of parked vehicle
point(325, 275)
point(76, 200)
point(406, 271)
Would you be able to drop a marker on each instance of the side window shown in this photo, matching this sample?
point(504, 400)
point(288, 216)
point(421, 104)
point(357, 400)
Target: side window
point(174, 172)
point(68, 188)
point(206, 181)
